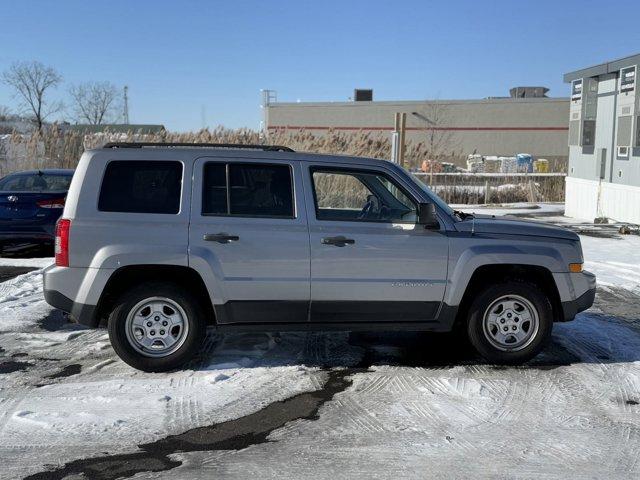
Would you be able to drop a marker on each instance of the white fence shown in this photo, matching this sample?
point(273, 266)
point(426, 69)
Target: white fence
point(589, 199)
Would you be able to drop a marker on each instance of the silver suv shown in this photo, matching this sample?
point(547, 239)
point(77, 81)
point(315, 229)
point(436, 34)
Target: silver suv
point(160, 241)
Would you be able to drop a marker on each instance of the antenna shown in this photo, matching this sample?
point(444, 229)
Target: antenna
point(125, 113)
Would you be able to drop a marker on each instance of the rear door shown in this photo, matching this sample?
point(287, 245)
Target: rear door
point(369, 260)
point(249, 230)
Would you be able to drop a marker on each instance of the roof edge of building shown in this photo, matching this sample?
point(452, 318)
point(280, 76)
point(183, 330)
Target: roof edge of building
point(602, 68)
point(414, 102)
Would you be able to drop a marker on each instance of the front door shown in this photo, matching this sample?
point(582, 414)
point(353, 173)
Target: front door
point(249, 236)
point(370, 261)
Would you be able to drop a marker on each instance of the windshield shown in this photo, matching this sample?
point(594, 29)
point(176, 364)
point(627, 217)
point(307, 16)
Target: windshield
point(35, 183)
point(436, 199)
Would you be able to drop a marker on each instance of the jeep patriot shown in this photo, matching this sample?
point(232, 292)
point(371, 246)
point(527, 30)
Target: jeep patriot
point(157, 242)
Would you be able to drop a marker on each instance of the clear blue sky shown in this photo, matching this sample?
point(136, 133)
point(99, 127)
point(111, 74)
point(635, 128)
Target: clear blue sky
point(179, 56)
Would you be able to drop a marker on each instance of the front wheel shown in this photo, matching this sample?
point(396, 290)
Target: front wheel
point(157, 327)
point(510, 323)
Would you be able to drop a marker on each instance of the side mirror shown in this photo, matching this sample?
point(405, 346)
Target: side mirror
point(427, 216)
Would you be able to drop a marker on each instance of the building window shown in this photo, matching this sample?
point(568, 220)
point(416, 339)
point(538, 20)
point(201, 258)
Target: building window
point(623, 152)
point(588, 133)
point(627, 79)
point(576, 89)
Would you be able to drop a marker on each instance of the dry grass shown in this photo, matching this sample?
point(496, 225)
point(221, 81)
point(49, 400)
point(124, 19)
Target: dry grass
point(56, 149)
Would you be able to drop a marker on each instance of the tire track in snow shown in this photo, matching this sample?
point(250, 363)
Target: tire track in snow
point(236, 434)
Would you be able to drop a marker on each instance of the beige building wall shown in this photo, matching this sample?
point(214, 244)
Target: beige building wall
point(501, 126)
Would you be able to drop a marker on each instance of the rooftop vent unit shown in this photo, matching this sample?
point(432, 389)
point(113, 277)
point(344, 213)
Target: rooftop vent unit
point(363, 95)
point(528, 92)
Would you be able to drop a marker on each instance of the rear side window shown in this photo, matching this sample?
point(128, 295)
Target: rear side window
point(141, 187)
point(249, 190)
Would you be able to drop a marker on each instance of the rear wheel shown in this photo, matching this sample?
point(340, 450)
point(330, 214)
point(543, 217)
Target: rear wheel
point(157, 327)
point(510, 323)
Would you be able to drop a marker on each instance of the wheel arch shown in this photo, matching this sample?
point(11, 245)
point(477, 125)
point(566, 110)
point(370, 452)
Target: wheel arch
point(500, 273)
point(128, 276)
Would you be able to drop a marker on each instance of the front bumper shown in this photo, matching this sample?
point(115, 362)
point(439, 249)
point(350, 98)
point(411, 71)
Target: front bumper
point(571, 308)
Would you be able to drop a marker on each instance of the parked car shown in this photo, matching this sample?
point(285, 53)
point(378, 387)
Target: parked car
point(30, 204)
point(159, 242)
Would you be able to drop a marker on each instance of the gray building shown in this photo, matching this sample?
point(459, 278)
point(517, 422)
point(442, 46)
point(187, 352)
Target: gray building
point(525, 122)
point(604, 142)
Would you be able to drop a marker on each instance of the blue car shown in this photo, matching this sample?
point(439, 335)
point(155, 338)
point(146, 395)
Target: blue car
point(30, 204)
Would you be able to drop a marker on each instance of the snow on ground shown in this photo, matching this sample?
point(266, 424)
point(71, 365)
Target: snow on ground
point(64, 394)
point(576, 417)
point(423, 408)
point(616, 263)
point(26, 262)
point(514, 208)
point(22, 303)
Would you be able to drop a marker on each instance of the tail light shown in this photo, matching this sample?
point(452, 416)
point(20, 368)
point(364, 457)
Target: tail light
point(62, 242)
point(55, 203)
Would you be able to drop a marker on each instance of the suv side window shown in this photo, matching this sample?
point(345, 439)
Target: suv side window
point(248, 190)
point(141, 187)
point(360, 196)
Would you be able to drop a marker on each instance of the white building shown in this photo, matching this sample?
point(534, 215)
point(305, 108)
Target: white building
point(604, 142)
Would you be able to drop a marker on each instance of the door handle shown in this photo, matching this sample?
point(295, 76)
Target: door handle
point(220, 237)
point(339, 241)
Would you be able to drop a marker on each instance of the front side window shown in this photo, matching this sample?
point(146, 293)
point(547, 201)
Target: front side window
point(141, 187)
point(353, 195)
point(249, 190)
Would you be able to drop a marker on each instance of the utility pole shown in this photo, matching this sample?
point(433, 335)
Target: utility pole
point(398, 138)
point(125, 113)
point(403, 129)
point(395, 139)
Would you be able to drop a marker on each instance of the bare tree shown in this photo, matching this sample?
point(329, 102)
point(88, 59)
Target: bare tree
point(441, 142)
point(32, 81)
point(94, 102)
point(5, 112)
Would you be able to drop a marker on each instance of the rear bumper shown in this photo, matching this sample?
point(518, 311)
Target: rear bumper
point(75, 291)
point(571, 308)
point(83, 314)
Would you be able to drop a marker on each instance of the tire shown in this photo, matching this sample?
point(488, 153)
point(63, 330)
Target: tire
point(174, 317)
point(488, 319)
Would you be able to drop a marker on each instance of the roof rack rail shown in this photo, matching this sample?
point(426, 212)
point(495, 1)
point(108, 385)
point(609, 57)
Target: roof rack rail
point(266, 148)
